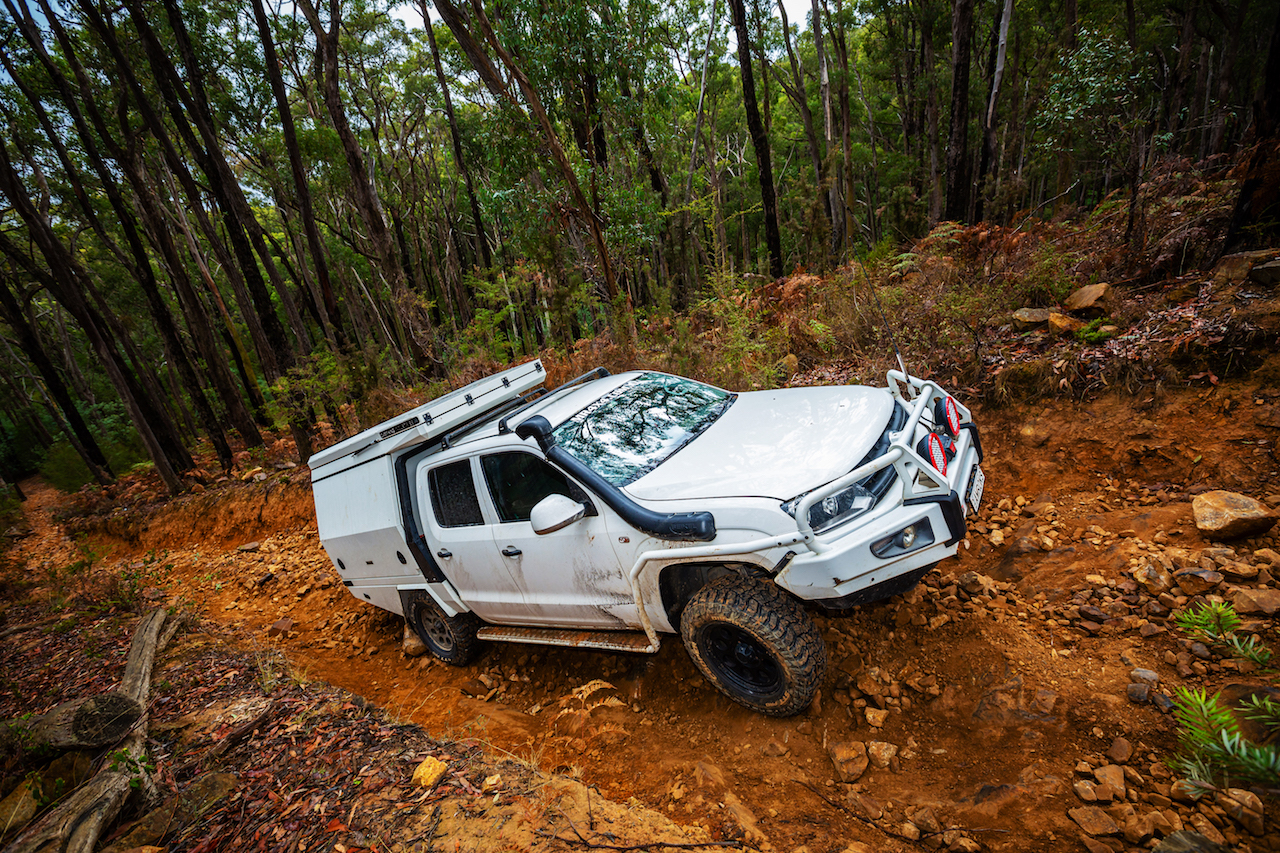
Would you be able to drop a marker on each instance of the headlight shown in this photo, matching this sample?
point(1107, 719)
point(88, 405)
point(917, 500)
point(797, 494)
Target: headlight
point(836, 509)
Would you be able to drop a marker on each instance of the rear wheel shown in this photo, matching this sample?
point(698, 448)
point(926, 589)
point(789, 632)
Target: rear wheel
point(450, 638)
point(755, 644)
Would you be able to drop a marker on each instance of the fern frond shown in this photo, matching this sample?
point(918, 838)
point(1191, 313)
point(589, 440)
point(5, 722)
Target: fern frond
point(1202, 718)
point(1261, 709)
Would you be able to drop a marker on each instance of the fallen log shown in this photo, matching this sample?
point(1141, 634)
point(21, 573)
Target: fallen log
point(86, 723)
point(76, 825)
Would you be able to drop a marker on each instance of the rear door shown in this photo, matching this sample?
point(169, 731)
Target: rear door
point(461, 538)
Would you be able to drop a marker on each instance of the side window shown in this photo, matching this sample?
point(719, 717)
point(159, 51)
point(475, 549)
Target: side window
point(453, 495)
point(517, 481)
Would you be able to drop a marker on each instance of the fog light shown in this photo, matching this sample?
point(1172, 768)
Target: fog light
point(913, 537)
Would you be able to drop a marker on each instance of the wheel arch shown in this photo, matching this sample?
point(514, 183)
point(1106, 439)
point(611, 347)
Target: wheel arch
point(679, 582)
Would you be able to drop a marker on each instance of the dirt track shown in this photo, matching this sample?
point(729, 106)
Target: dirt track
point(992, 697)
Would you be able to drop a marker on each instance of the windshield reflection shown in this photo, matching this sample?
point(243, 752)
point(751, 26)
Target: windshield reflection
point(637, 426)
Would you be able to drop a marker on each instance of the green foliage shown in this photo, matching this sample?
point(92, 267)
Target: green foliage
point(1211, 621)
point(1049, 280)
point(325, 382)
point(1262, 709)
point(1092, 94)
point(746, 348)
point(1092, 333)
point(1216, 622)
point(1213, 748)
point(136, 767)
point(136, 577)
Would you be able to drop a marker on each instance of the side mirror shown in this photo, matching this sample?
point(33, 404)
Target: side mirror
point(555, 512)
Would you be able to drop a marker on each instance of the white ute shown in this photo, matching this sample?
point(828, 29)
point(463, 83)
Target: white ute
point(614, 509)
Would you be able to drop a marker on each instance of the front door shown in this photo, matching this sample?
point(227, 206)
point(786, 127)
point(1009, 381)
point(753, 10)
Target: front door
point(568, 578)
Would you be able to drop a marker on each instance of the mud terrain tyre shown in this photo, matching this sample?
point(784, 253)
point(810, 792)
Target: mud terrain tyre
point(755, 644)
point(450, 638)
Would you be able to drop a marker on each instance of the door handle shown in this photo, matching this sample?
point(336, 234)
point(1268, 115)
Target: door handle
point(444, 553)
point(511, 551)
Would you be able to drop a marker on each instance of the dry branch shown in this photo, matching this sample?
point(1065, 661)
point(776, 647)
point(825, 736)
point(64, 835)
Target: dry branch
point(76, 825)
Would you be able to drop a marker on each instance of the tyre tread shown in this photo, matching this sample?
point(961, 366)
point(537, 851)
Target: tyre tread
point(776, 620)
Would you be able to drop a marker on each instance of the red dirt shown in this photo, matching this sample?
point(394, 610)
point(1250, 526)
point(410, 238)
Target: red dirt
point(1020, 693)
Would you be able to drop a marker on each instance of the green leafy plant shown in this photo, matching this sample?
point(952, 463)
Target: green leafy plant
point(136, 767)
point(1093, 333)
point(1211, 621)
point(1261, 709)
point(1212, 746)
point(1215, 622)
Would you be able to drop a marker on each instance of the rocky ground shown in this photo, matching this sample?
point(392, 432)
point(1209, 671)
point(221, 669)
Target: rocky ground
point(1018, 699)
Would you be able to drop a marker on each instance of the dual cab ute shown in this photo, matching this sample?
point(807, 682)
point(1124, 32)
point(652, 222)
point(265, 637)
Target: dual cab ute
point(617, 508)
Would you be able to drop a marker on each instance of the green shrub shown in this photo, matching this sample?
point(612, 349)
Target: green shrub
point(1213, 749)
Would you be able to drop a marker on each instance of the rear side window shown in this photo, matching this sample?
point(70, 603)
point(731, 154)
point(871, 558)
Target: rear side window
point(518, 481)
point(453, 495)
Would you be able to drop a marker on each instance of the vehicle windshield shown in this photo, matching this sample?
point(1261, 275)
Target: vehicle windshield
point(640, 424)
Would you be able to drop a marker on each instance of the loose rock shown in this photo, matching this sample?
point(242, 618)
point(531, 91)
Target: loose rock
point(412, 644)
point(1244, 807)
point(1228, 515)
point(1094, 820)
point(881, 753)
point(1251, 602)
point(1145, 676)
point(429, 772)
point(1185, 841)
point(850, 760)
point(1197, 581)
point(1120, 751)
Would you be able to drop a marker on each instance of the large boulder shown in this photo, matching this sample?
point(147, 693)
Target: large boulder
point(1266, 274)
point(1026, 319)
point(1255, 602)
point(1228, 515)
point(1091, 299)
point(1063, 324)
point(1236, 268)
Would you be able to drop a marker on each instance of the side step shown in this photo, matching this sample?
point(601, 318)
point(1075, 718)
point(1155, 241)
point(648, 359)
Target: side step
point(613, 641)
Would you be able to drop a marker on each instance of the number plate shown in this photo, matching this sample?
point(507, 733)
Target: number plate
point(976, 484)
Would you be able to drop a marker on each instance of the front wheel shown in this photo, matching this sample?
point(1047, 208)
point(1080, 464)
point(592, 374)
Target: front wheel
point(450, 638)
point(755, 644)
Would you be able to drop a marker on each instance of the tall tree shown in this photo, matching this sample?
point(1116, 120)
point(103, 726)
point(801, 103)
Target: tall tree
point(332, 319)
point(958, 184)
point(759, 139)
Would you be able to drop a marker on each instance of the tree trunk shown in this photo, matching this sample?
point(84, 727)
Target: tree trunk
point(800, 97)
point(931, 116)
point(68, 283)
point(988, 162)
point(482, 239)
point(958, 184)
point(29, 343)
point(369, 206)
point(759, 140)
point(331, 315)
point(1234, 24)
point(87, 723)
point(1258, 204)
point(78, 823)
point(222, 179)
point(484, 66)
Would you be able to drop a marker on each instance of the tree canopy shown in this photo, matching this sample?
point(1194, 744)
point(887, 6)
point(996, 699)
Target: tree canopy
point(217, 218)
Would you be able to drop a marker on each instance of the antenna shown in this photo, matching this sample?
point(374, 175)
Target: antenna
point(888, 329)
